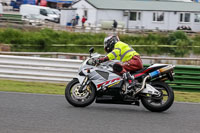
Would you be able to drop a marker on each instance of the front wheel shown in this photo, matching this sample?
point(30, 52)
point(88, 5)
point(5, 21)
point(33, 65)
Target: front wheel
point(163, 101)
point(77, 99)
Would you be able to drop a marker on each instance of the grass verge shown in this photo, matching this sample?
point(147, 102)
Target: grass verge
point(59, 88)
point(32, 87)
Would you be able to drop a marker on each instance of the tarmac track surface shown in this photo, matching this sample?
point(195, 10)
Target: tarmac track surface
point(34, 113)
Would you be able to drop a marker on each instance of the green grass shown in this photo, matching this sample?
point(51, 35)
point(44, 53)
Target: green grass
point(32, 87)
point(59, 88)
point(186, 96)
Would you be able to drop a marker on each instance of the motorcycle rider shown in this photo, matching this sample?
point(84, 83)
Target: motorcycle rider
point(119, 50)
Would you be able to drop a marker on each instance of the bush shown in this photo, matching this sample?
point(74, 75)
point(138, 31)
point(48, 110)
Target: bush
point(46, 39)
point(12, 36)
point(182, 41)
point(179, 35)
point(196, 44)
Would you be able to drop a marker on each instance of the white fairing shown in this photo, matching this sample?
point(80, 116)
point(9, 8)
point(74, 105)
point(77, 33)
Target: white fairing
point(156, 65)
point(80, 79)
point(104, 68)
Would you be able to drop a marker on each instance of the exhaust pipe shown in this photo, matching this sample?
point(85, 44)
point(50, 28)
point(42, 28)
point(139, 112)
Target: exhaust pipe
point(143, 84)
point(161, 71)
point(154, 74)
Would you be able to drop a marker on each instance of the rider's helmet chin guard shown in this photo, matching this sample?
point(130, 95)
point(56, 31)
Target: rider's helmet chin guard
point(109, 43)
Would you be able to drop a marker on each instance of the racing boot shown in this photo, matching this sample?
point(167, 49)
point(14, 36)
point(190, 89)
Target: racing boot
point(130, 80)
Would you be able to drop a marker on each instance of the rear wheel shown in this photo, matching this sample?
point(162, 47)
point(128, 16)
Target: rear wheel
point(77, 99)
point(163, 101)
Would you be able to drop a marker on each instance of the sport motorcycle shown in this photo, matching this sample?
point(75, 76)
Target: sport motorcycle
point(100, 83)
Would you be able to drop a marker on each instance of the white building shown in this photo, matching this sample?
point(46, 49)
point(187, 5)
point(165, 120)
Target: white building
point(149, 15)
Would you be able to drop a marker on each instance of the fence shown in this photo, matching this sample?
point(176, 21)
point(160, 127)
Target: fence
point(37, 68)
point(186, 77)
point(79, 56)
point(11, 18)
point(63, 70)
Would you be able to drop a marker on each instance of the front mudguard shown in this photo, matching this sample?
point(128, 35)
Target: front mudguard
point(84, 83)
point(80, 78)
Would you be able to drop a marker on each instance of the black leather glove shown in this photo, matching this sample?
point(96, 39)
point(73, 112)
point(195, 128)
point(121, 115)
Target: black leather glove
point(103, 59)
point(100, 60)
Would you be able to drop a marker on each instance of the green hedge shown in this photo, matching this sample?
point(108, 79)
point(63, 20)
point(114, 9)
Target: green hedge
point(47, 40)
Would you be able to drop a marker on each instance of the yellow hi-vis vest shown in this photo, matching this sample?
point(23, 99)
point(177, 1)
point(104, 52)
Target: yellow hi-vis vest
point(122, 52)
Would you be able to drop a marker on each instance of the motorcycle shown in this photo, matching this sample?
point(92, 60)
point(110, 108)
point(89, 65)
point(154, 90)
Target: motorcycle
point(99, 82)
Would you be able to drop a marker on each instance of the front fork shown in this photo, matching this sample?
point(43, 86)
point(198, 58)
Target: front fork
point(83, 84)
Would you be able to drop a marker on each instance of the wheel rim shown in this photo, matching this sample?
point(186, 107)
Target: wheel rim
point(158, 100)
point(77, 96)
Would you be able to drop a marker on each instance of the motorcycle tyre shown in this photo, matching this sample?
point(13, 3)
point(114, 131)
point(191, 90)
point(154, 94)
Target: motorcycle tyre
point(75, 103)
point(163, 107)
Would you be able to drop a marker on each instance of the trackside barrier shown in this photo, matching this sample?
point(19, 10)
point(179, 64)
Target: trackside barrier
point(38, 69)
point(81, 56)
point(63, 70)
point(12, 18)
point(186, 77)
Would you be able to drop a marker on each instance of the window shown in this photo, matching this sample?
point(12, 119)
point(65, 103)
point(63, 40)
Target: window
point(135, 16)
point(43, 12)
point(158, 16)
point(197, 17)
point(184, 17)
point(85, 13)
point(139, 15)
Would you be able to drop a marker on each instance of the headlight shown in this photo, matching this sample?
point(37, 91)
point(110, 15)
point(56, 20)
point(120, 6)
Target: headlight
point(90, 62)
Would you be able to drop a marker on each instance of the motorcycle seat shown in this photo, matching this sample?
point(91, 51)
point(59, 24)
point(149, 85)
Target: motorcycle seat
point(138, 71)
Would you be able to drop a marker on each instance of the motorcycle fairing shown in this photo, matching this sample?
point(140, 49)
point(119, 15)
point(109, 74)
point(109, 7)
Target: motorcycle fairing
point(100, 77)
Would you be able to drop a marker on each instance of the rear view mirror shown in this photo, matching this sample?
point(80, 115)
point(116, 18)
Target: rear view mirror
point(91, 50)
